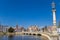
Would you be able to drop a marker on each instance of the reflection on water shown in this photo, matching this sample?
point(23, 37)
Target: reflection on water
point(11, 37)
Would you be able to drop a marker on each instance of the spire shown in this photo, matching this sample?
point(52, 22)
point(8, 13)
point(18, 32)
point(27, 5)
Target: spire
point(53, 5)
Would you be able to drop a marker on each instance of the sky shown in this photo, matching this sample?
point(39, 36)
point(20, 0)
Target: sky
point(28, 12)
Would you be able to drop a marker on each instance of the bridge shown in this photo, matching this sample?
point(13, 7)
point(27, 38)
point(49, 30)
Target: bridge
point(47, 35)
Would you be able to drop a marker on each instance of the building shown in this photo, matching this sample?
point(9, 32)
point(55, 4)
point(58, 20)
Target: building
point(33, 28)
point(5, 28)
point(50, 29)
point(58, 30)
point(19, 29)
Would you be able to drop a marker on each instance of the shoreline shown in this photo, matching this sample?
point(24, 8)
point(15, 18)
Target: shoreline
point(20, 34)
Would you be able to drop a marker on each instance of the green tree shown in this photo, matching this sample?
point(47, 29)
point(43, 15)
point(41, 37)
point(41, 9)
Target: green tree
point(11, 30)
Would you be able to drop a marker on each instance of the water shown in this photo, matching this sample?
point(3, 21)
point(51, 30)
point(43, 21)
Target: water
point(19, 37)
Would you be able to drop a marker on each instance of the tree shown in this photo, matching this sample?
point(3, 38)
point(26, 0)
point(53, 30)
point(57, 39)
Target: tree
point(43, 29)
point(46, 28)
point(59, 25)
point(11, 30)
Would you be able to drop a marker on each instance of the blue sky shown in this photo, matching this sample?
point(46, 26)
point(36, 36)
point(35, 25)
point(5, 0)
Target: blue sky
point(27, 12)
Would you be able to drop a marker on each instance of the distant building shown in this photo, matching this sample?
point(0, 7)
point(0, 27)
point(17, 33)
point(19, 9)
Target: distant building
point(33, 28)
point(58, 30)
point(5, 28)
point(19, 29)
point(49, 29)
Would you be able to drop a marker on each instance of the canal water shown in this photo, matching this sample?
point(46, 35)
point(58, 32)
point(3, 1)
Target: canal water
point(18, 37)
